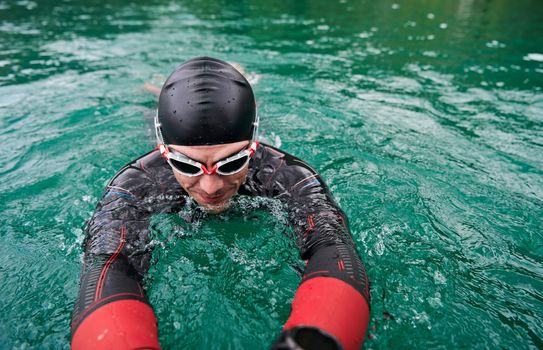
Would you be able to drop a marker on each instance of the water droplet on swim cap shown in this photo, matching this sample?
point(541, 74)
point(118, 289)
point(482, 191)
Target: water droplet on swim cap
point(193, 108)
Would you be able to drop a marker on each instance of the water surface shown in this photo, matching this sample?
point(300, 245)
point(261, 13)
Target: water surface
point(425, 118)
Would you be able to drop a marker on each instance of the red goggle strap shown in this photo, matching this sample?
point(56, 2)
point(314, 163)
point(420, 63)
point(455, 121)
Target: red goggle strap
point(163, 150)
point(253, 148)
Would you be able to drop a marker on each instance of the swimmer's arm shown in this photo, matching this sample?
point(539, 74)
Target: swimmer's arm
point(332, 302)
point(111, 308)
point(155, 90)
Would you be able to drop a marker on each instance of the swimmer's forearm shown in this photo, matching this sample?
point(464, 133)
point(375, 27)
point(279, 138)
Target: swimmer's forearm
point(155, 90)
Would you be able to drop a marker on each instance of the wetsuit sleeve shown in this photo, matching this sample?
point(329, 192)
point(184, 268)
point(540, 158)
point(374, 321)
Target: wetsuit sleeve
point(111, 311)
point(333, 297)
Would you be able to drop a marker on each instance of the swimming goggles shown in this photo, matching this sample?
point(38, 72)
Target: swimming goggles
point(189, 167)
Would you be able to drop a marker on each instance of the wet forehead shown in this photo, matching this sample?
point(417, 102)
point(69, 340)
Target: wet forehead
point(210, 154)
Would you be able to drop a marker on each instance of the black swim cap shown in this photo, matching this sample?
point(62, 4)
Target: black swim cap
point(206, 101)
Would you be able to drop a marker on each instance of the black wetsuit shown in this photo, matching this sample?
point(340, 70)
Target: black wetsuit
point(117, 254)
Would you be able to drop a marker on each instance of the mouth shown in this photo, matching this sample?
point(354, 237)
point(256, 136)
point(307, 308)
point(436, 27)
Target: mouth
point(212, 200)
point(214, 204)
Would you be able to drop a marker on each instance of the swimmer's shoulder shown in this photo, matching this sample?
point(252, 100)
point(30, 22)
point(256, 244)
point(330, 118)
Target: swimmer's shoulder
point(282, 159)
point(149, 169)
point(274, 171)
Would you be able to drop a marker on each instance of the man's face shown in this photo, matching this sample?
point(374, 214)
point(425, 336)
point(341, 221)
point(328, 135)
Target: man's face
point(212, 192)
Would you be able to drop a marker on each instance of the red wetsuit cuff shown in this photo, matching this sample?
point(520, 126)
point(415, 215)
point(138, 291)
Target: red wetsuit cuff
point(333, 306)
point(123, 324)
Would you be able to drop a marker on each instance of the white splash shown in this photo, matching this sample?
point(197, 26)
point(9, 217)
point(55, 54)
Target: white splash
point(538, 57)
point(439, 278)
point(495, 44)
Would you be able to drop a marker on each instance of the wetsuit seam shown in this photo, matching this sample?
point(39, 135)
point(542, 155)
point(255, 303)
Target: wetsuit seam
point(112, 258)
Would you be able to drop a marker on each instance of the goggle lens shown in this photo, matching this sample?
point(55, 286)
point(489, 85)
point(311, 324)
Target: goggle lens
point(184, 168)
point(233, 166)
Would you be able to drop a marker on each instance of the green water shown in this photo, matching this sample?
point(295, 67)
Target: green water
point(424, 117)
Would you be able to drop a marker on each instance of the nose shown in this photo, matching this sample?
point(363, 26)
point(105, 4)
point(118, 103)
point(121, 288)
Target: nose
point(211, 184)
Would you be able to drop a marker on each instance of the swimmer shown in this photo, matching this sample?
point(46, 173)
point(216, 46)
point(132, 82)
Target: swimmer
point(208, 152)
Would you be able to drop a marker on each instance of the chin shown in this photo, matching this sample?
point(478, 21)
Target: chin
point(216, 208)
